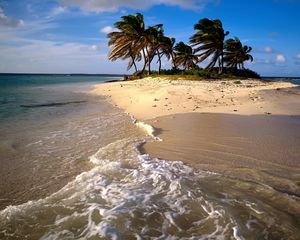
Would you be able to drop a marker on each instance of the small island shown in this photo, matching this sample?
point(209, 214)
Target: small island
point(194, 142)
point(224, 86)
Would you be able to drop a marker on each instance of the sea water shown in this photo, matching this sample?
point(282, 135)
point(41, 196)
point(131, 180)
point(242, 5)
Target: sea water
point(46, 123)
point(73, 171)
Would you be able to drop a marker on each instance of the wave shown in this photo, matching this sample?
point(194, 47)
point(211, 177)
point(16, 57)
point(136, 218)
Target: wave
point(150, 130)
point(128, 195)
point(115, 199)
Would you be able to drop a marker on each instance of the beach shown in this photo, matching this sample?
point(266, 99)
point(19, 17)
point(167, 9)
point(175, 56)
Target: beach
point(154, 97)
point(105, 162)
point(246, 130)
point(243, 128)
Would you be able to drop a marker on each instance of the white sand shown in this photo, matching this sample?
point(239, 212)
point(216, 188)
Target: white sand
point(153, 97)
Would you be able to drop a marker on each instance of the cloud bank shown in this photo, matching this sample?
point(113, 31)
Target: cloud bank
point(115, 5)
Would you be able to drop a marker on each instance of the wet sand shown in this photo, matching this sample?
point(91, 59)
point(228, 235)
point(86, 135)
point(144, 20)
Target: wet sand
point(263, 149)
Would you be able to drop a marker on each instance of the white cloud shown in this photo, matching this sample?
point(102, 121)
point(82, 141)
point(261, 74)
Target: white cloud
point(298, 56)
point(115, 5)
point(268, 50)
point(9, 21)
point(262, 61)
point(280, 58)
point(108, 29)
point(93, 48)
point(58, 10)
point(57, 57)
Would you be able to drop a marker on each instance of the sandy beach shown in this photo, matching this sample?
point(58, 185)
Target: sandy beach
point(154, 97)
point(247, 129)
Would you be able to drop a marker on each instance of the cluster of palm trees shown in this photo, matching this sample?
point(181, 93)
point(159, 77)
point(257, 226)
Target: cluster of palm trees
point(134, 42)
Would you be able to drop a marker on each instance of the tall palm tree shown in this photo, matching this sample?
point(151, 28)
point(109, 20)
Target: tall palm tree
point(154, 38)
point(130, 40)
point(209, 41)
point(167, 49)
point(185, 56)
point(159, 45)
point(236, 54)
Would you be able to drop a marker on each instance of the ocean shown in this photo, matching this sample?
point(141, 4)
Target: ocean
point(70, 168)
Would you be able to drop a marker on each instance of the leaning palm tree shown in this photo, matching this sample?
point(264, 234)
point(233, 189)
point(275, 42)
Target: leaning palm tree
point(236, 54)
point(122, 48)
point(129, 40)
point(209, 41)
point(185, 56)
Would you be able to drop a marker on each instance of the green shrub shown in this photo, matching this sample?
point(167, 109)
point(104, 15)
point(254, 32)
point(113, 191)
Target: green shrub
point(244, 73)
point(202, 73)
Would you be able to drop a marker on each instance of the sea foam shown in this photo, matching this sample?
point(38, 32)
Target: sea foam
point(150, 130)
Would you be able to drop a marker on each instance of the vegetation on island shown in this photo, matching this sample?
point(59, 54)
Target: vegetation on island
point(135, 42)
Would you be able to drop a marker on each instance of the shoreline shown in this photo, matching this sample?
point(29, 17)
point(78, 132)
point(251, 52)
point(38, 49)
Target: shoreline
point(262, 149)
point(262, 107)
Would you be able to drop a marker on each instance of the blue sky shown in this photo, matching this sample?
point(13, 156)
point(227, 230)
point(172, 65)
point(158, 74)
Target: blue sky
point(69, 36)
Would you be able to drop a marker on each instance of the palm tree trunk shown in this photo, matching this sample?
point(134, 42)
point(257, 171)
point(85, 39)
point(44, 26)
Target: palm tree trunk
point(159, 62)
point(149, 62)
point(211, 65)
point(145, 61)
point(185, 65)
point(173, 61)
point(134, 64)
point(222, 62)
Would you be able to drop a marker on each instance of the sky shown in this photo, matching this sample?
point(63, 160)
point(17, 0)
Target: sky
point(69, 36)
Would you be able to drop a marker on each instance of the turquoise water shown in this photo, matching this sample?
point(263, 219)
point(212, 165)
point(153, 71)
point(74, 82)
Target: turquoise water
point(41, 118)
point(20, 94)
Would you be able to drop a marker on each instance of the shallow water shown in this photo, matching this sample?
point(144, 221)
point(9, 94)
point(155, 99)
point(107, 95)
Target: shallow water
point(93, 183)
point(42, 148)
point(131, 196)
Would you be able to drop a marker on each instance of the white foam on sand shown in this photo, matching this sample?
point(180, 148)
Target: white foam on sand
point(109, 201)
point(150, 130)
point(126, 195)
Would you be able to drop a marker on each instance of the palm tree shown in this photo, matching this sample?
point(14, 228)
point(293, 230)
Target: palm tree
point(129, 41)
point(209, 40)
point(123, 48)
point(159, 45)
point(236, 54)
point(167, 50)
point(154, 37)
point(185, 56)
